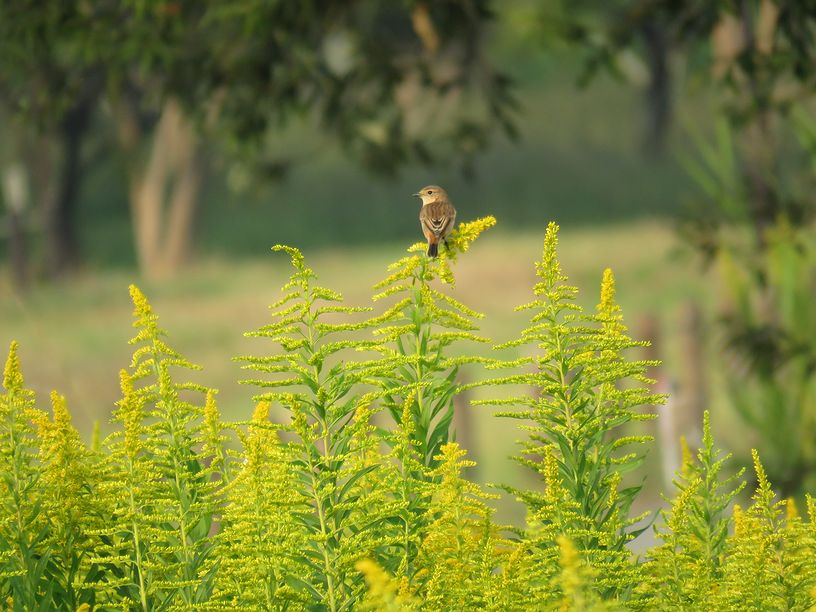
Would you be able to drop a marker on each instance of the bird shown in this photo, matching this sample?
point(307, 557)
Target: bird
point(436, 217)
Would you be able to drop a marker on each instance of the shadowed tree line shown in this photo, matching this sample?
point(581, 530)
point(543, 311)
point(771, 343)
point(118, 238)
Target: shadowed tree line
point(163, 80)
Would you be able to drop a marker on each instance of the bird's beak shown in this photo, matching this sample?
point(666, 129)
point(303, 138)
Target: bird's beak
point(416, 195)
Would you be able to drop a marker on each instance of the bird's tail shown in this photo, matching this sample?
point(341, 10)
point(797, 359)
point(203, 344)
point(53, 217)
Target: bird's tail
point(433, 249)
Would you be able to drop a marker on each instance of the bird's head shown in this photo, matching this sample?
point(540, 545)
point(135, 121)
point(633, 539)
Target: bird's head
point(431, 193)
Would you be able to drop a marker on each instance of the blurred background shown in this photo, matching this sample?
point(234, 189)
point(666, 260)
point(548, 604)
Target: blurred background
point(171, 143)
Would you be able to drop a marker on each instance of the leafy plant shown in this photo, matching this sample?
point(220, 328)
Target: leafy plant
point(328, 398)
point(693, 532)
point(579, 403)
point(333, 500)
point(422, 326)
point(160, 491)
point(24, 550)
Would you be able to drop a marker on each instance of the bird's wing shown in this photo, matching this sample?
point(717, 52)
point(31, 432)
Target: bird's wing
point(438, 218)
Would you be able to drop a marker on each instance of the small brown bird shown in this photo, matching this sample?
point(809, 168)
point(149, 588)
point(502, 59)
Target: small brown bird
point(436, 217)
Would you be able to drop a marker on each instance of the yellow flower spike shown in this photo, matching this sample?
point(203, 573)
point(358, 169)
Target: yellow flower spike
point(445, 272)
point(466, 233)
point(261, 412)
point(549, 266)
point(762, 478)
point(607, 292)
point(739, 521)
point(383, 591)
point(62, 418)
point(298, 261)
point(12, 375)
point(141, 307)
point(791, 511)
point(211, 414)
point(810, 505)
point(570, 578)
point(43, 424)
point(614, 482)
point(552, 480)
point(404, 588)
point(131, 414)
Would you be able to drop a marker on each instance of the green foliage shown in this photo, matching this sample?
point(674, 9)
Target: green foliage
point(334, 457)
point(581, 399)
point(422, 325)
point(768, 281)
point(161, 491)
point(693, 532)
point(255, 552)
point(755, 214)
point(24, 553)
point(332, 501)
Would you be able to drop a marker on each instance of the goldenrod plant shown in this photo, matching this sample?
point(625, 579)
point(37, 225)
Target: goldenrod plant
point(69, 480)
point(261, 536)
point(417, 333)
point(345, 489)
point(419, 329)
point(24, 548)
point(462, 553)
point(327, 396)
point(693, 531)
point(585, 392)
point(770, 558)
point(161, 490)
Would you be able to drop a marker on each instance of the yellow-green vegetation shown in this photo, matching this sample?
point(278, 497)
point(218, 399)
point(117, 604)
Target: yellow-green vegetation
point(78, 325)
point(346, 490)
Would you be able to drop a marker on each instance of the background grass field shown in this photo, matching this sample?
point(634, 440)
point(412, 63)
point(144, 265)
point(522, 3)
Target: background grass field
point(74, 336)
point(579, 161)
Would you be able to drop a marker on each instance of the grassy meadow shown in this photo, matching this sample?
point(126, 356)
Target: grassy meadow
point(579, 161)
point(73, 336)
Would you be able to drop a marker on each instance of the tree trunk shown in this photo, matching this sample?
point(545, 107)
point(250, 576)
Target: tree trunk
point(164, 189)
point(62, 243)
point(658, 94)
point(15, 195)
point(184, 197)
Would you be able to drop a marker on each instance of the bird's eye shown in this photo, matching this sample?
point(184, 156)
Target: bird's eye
point(430, 192)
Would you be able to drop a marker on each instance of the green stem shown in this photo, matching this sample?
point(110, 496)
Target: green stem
point(326, 437)
point(167, 396)
point(324, 532)
point(22, 545)
point(137, 541)
point(419, 372)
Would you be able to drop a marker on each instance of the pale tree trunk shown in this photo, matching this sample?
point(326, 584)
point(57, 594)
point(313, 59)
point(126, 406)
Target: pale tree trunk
point(163, 189)
point(29, 156)
point(16, 198)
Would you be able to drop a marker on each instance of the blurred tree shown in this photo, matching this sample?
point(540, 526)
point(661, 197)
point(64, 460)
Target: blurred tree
point(44, 79)
point(392, 81)
point(759, 58)
point(605, 32)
